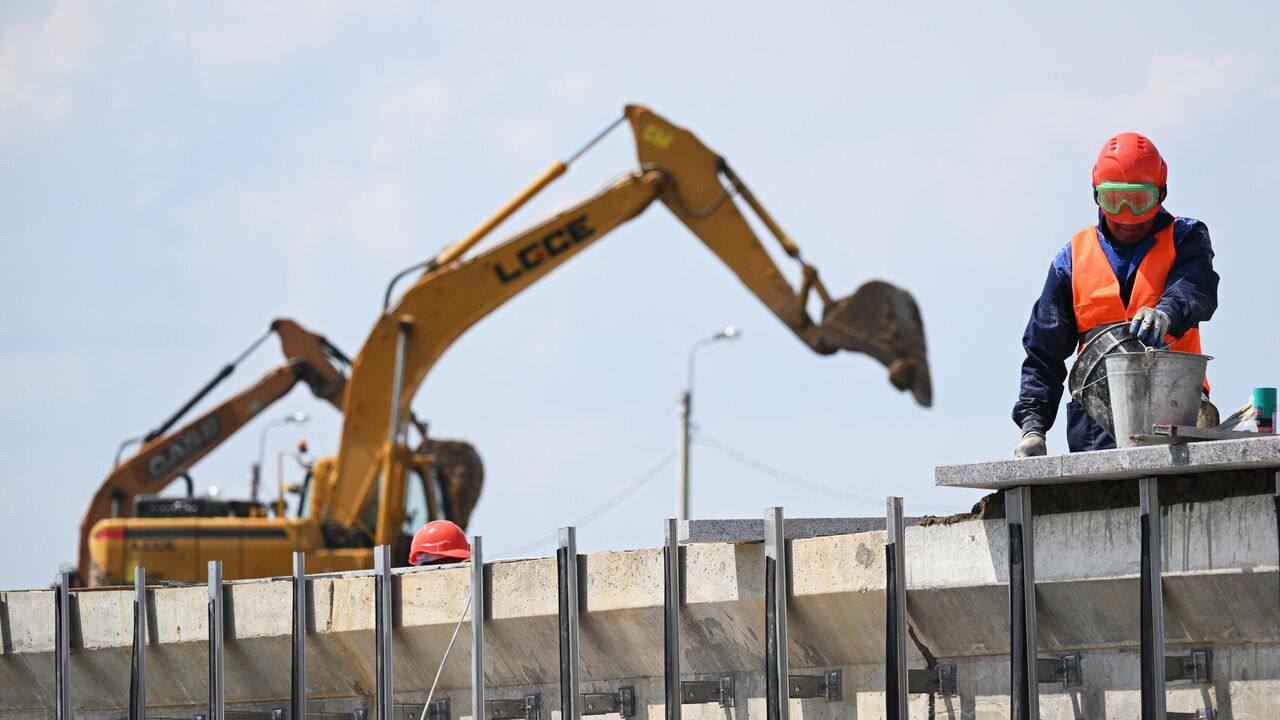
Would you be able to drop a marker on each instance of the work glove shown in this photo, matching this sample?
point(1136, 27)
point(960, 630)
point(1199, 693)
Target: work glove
point(1150, 325)
point(1032, 445)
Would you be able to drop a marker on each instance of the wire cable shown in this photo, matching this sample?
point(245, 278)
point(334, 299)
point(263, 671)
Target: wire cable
point(604, 507)
point(466, 605)
point(800, 482)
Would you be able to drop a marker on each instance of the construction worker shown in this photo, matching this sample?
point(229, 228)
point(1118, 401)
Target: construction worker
point(1138, 264)
point(439, 542)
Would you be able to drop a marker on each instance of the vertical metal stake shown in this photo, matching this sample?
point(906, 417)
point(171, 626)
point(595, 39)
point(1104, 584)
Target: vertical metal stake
point(298, 679)
point(384, 692)
point(567, 576)
point(62, 643)
point(1277, 503)
point(777, 669)
point(895, 639)
point(1024, 691)
point(477, 629)
point(671, 619)
point(682, 455)
point(138, 668)
point(1152, 603)
point(217, 695)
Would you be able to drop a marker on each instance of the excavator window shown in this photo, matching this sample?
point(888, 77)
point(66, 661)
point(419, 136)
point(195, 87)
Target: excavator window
point(415, 504)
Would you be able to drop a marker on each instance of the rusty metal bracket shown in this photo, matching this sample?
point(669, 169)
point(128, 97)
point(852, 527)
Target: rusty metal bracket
point(528, 708)
point(622, 702)
point(827, 685)
point(940, 680)
point(720, 691)
point(1206, 714)
point(1065, 670)
point(1196, 667)
point(439, 709)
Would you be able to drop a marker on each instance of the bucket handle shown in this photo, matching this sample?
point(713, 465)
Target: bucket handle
point(1148, 359)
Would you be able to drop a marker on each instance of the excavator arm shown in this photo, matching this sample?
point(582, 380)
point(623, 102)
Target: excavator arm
point(166, 456)
point(456, 292)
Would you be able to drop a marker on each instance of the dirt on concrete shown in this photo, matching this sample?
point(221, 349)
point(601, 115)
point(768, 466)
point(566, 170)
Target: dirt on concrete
point(1111, 494)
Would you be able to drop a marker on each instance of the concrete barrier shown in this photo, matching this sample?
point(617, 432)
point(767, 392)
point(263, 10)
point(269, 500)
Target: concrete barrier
point(1220, 592)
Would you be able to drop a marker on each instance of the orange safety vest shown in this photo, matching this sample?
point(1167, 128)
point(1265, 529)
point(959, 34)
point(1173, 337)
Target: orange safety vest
point(1095, 291)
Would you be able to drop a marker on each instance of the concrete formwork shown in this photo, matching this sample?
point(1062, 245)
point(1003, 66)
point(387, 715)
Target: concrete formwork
point(1222, 591)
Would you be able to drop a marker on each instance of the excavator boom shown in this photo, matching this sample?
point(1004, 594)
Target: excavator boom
point(455, 292)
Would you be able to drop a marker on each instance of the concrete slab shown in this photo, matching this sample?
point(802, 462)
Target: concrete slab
point(1120, 464)
point(739, 530)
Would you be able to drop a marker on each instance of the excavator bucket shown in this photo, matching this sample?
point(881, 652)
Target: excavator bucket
point(883, 321)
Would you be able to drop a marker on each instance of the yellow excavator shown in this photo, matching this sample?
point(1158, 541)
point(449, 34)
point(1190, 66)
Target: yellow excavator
point(362, 497)
point(164, 457)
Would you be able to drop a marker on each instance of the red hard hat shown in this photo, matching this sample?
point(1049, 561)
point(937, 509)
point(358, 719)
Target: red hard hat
point(437, 540)
point(1131, 158)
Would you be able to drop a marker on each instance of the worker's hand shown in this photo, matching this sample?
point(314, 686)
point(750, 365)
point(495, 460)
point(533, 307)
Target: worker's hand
point(1032, 445)
point(1150, 325)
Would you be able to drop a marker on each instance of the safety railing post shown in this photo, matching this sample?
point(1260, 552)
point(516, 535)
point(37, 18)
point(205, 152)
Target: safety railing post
point(217, 693)
point(671, 598)
point(1151, 607)
point(895, 641)
point(567, 590)
point(777, 668)
point(62, 645)
point(384, 695)
point(477, 628)
point(1024, 691)
point(138, 666)
point(298, 668)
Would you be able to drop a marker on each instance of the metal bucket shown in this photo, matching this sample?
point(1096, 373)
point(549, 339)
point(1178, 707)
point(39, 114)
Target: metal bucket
point(1155, 387)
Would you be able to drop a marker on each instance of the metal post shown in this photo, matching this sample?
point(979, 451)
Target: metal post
point(1277, 504)
point(1152, 603)
point(682, 456)
point(671, 619)
point(298, 679)
point(477, 629)
point(384, 692)
point(138, 668)
point(217, 694)
point(1024, 691)
point(403, 325)
point(895, 640)
point(777, 669)
point(62, 645)
point(567, 576)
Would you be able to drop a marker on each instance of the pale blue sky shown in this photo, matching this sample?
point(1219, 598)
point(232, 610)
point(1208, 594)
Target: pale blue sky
point(174, 175)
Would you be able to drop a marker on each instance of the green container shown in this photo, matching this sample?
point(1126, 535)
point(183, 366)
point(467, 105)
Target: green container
point(1264, 400)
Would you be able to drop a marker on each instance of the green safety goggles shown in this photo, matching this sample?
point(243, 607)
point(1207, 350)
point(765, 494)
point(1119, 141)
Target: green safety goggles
point(1138, 197)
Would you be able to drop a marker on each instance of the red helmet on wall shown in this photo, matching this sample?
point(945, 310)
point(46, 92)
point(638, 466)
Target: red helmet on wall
point(437, 541)
point(1130, 158)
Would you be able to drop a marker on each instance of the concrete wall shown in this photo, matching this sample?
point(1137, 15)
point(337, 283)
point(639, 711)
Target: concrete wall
point(1221, 590)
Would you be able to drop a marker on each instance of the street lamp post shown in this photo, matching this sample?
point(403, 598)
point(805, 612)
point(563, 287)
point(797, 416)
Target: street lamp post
point(685, 413)
point(255, 480)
